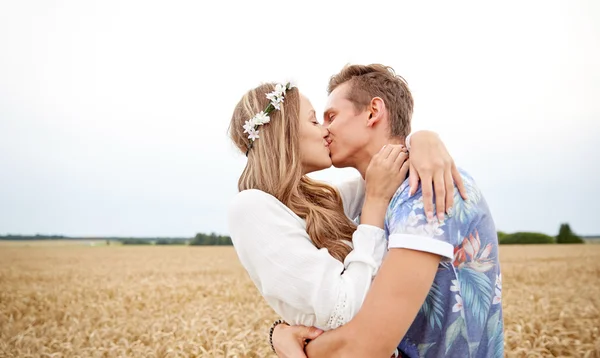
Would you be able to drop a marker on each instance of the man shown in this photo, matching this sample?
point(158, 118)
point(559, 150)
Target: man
point(438, 291)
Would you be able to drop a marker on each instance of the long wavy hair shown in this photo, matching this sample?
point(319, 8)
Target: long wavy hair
point(274, 166)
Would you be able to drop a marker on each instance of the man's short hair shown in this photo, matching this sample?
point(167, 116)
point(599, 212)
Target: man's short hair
point(376, 80)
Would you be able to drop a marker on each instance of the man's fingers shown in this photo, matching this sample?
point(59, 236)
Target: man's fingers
point(312, 333)
point(427, 197)
point(449, 192)
point(299, 353)
point(459, 182)
point(440, 195)
point(289, 342)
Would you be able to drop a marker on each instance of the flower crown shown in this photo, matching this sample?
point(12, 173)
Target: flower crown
point(276, 97)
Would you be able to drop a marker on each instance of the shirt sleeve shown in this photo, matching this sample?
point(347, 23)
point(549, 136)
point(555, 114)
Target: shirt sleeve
point(353, 196)
point(303, 284)
point(408, 228)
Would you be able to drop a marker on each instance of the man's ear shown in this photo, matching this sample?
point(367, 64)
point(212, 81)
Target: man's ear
point(377, 110)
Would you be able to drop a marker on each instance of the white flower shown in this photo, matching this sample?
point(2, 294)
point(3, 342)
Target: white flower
point(280, 89)
point(454, 287)
point(415, 230)
point(253, 134)
point(413, 219)
point(276, 103)
point(261, 118)
point(459, 304)
point(291, 84)
point(272, 96)
point(249, 125)
point(276, 97)
point(499, 281)
point(418, 204)
point(497, 297)
point(433, 229)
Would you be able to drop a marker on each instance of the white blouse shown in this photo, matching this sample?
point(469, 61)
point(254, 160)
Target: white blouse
point(303, 284)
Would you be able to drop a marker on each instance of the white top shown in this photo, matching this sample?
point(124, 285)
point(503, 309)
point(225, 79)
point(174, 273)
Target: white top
point(303, 284)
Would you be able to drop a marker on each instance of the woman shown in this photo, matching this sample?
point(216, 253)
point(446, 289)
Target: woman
point(294, 235)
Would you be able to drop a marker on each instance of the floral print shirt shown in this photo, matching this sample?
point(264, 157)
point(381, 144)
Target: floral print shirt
point(462, 314)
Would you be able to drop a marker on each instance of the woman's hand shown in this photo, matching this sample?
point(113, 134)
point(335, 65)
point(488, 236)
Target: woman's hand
point(386, 171)
point(289, 341)
point(434, 167)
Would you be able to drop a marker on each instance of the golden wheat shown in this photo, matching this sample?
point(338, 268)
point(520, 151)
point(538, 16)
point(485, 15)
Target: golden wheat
point(77, 301)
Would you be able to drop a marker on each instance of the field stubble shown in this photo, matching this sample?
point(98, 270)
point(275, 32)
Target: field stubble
point(73, 301)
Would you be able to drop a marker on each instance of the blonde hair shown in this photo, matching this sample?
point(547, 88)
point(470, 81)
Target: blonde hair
point(274, 166)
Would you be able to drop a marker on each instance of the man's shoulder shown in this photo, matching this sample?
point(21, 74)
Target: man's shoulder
point(401, 196)
point(405, 208)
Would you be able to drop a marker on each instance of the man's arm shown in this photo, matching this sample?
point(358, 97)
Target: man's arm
point(397, 294)
point(417, 246)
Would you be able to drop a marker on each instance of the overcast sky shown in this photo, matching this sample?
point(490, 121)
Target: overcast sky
point(113, 114)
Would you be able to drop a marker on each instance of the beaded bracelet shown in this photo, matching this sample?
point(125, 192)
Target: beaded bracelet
point(278, 322)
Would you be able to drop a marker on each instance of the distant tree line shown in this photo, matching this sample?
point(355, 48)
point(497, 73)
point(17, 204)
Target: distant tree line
point(199, 240)
point(565, 236)
point(35, 237)
point(212, 240)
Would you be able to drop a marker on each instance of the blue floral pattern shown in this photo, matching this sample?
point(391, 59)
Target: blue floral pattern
point(462, 314)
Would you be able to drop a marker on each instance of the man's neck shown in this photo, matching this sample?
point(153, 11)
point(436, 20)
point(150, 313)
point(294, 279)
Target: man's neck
point(364, 158)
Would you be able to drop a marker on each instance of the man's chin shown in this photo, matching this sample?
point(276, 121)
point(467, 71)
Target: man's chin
point(339, 165)
point(336, 162)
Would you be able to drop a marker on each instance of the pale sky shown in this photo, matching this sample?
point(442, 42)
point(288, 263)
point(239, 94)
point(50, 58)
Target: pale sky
point(114, 114)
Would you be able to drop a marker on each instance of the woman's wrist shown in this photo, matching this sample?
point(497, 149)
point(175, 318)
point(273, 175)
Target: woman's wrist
point(277, 325)
point(419, 136)
point(374, 210)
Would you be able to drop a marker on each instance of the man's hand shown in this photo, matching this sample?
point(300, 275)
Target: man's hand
point(431, 162)
point(289, 341)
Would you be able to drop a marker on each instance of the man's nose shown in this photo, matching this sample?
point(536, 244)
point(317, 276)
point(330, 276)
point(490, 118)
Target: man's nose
point(325, 132)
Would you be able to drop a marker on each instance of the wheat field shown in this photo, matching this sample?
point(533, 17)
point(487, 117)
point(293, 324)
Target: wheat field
point(118, 301)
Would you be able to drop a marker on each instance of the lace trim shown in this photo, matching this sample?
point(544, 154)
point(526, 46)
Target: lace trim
point(338, 317)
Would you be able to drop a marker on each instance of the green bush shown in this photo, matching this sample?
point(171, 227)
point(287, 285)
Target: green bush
point(210, 240)
point(135, 242)
point(519, 238)
point(566, 236)
point(170, 242)
point(501, 235)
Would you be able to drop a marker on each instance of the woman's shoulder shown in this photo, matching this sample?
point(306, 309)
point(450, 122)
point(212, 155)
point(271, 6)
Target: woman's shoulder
point(254, 200)
point(252, 196)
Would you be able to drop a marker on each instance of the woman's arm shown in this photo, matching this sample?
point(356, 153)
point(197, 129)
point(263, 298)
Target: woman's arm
point(432, 165)
point(306, 285)
point(303, 284)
